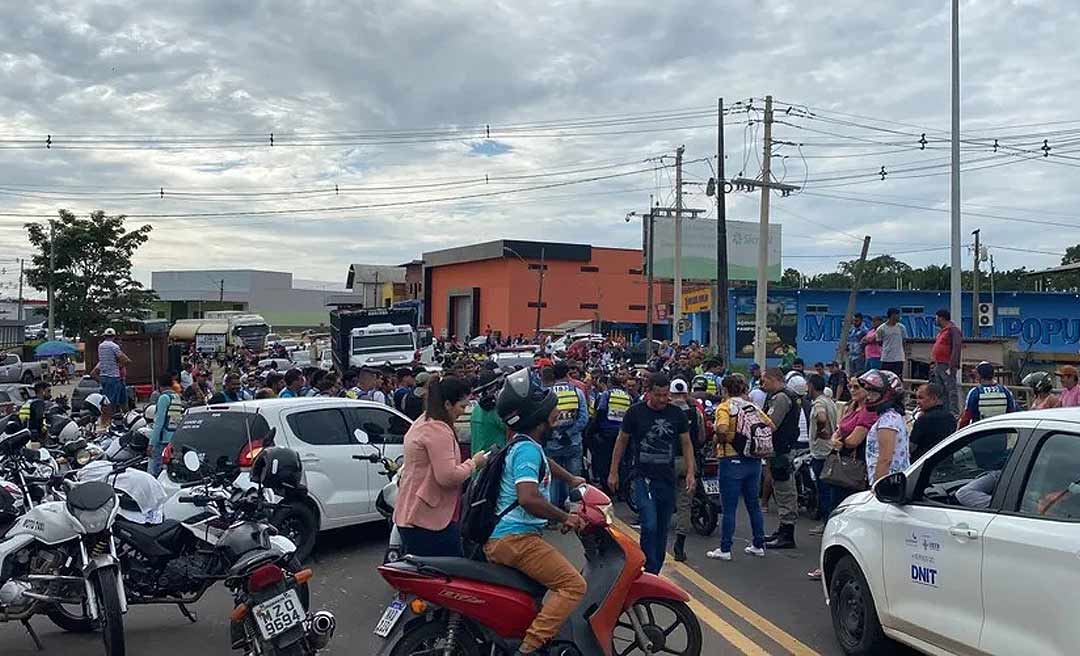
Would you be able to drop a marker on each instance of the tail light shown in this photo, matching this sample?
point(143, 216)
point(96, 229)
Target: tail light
point(166, 454)
point(249, 453)
point(264, 577)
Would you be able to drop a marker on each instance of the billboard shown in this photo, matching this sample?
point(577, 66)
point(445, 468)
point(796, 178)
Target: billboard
point(781, 321)
point(699, 249)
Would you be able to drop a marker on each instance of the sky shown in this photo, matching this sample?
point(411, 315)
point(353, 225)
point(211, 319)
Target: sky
point(405, 104)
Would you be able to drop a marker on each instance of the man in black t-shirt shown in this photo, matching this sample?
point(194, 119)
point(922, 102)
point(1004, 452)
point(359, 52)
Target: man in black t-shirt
point(654, 429)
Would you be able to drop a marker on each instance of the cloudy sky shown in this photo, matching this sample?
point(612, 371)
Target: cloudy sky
point(392, 101)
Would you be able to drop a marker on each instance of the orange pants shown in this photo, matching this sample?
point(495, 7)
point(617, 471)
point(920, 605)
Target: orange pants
point(534, 557)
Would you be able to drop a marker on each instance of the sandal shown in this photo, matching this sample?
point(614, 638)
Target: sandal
point(814, 575)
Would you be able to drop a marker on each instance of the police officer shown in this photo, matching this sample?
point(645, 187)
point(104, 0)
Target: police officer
point(611, 407)
point(565, 444)
point(32, 413)
point(714, 373)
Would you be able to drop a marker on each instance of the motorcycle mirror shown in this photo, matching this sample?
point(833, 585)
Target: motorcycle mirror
point(191, 461)
point(361, 436)
point(577, 494)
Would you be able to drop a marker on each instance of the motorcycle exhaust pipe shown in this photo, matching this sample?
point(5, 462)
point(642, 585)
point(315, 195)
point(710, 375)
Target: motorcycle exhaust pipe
point(322, 628)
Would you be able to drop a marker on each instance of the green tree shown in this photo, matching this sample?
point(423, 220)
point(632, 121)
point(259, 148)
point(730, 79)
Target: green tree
point(791, 279)
point(92, 280)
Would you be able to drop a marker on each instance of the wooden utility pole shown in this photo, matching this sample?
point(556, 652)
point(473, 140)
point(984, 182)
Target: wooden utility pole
point(649, 305)
point(856, 282)
point(719, 333)
point(762, 297)
point(20, 315)
point(540, 292)
point(677, 315)
point(221, 291)
point(976, 331)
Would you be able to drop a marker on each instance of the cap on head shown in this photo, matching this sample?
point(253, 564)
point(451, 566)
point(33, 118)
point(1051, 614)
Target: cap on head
point(678, 386)
point(1067, 370)
point(985, 370)
point(109, 332)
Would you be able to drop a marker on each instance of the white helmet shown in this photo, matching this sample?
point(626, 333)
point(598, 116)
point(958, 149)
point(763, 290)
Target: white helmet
point(69, 433)
point(148, 413)
point(797, 384)
point(95, 403)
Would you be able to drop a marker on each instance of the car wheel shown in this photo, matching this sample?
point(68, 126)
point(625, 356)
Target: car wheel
point(298, 522)
point(28, 378)
point(854, 616)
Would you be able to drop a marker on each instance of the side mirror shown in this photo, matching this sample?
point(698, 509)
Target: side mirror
point(268, 441)
point(361, 436)
point(892, 489)
point(577, 494)
point(191, 461)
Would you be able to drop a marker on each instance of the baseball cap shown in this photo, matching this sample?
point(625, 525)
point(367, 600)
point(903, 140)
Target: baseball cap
point(422, 378)
point(1067, 370)
point(985, 370)
point(109, 332)
point(678, 386)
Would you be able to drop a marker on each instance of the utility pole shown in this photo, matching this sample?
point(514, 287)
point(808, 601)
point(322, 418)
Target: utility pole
point(954, 278)
point(719, 332)
point(976, 331)
point(649, 306)
point(221, 291)
point(762, 297)
point(676, 316)
point(20, 316)
point(540, 291)
point(52, 268)
point(856, 282)
point(993, 274)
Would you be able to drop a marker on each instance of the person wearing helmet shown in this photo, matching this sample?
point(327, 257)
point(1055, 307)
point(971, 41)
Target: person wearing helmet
point(611, 407)
point(887, 448)
point(517, 540)
point(94, 406)
point(1042, 385)
point(987, 399)
point(32, 412)
point(796, 382)
point(680, 398)
point(168, 411)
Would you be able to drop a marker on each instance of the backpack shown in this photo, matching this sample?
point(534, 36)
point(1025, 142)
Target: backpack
point(478, 514)
point(752, 429)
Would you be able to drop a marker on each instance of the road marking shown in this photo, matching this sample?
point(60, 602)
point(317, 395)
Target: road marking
point(778, 635)
point(726, 630)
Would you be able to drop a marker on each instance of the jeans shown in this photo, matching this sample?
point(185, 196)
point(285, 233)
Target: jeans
point(601, 451)
point(824, 490)
point(424, 542)
point(153, 466)
point(570, 460)
point(784, 491)
point(740, 477)
point(939, 374)
point(656, 498)
point(113, 388)
point(897, 367)
point(873, 363)
point(683, 500)
point(531, 555)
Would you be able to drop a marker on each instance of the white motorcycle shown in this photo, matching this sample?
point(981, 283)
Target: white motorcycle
point(385, 503)
point(58, 558)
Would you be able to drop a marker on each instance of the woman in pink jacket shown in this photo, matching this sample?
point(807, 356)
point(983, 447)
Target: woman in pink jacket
point(433, 472)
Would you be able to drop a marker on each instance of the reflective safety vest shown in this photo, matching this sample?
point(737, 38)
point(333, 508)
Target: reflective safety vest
point(619, 402)
point(993, 401)
point(713, 387)
point(568, 403)
point(174, 414)
point(24, 412)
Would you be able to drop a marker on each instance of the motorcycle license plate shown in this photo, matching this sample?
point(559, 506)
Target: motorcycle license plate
point(278, 614)
point(712, 486)
point(390, 617)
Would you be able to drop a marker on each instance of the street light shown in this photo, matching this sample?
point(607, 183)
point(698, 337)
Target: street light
point(539, 283)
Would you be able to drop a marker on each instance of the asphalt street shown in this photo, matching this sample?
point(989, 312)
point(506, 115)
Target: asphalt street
point(747, 606)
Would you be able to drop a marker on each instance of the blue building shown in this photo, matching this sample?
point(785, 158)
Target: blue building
point(812, 319)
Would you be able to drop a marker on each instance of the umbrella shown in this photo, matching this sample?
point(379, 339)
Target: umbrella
point(54, 348)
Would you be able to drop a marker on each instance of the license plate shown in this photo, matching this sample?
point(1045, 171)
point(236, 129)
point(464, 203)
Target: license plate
point(278, 614)
point(712, 486)
point(390, 617)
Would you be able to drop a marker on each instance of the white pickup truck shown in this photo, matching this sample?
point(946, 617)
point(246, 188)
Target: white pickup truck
point(14, 370)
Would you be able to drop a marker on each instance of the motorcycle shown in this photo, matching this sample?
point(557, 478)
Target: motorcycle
point(385, 503)
point(462, 607)
point(58, 554)
point(805, 482)
point(705, 509)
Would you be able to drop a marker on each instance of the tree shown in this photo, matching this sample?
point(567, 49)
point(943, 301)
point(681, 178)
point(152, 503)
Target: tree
point(791, 279)
point(92, 283)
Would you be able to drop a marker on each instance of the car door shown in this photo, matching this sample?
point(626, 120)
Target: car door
point(933, 546)
point(327, 446)
point(385, 430)
point(7, 368)
point(1031, 562)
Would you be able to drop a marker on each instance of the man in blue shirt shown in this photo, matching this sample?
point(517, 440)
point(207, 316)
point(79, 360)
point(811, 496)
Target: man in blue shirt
point(524, 509)
point(988, 398)
point(168, 411)
point(856, 349)
point(294, 384)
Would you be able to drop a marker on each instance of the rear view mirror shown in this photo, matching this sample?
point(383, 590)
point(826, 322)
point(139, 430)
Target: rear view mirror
point(361, 436)
point(191, 461)
point(577, 494)
point(892, 489)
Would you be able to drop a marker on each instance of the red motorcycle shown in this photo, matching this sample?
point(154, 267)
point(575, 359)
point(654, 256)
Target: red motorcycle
point(463, 607)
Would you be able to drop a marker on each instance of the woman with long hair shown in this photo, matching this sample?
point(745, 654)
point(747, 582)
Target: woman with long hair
point(432, 473)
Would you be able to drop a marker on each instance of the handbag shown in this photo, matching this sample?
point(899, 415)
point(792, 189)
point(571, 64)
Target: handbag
point(848, 472)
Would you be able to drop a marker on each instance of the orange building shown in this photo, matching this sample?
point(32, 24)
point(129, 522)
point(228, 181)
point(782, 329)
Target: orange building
point(496, 285)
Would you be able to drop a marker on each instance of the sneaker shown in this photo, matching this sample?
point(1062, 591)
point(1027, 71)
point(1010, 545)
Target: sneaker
point(751, 550)
point(817, 531)
point(717, 554)
point(814, 574)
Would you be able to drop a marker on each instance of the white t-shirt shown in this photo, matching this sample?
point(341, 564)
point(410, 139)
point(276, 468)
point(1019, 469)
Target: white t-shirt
point(892, 342)
point(891, 419)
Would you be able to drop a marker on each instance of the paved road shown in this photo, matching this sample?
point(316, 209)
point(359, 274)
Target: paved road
point(750, 605)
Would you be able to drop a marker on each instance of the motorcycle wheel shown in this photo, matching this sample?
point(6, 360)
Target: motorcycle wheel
point(670, 625)
point(298, 523)
point(703, 515)
point(62, 617)
point(430, 638)
point(107, 591)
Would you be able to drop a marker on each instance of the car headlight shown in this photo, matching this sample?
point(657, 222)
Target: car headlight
point(95, 521)
point(83, 457)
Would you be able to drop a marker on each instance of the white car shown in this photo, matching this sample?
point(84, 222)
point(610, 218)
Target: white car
point(974, 549)
point(326, 432)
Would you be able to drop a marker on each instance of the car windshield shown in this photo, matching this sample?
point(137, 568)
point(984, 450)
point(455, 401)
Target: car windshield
point(391, 341)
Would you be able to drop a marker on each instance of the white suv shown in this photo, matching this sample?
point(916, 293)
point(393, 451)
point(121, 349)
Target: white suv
point(326, 432)
point(973, 550)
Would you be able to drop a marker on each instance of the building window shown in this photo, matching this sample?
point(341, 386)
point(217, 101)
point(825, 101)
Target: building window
point(817, 309)
point(635, 272)
point(239, 307)
point(590, 269)
point(912, 309)
point(537, 267)
point(160, 314)
point(532, 304)
point(637, 307)
point(589, 306)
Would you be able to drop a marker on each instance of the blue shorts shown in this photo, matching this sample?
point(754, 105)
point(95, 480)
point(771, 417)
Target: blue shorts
point(114, 390)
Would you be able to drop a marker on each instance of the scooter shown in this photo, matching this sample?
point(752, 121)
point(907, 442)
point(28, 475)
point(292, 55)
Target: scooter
point(459, 606)
point(385, 503)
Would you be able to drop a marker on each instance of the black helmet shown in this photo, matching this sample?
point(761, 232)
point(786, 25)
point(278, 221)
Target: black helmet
point(278, 467)
point(523, 404)
point(487, 388)
point(1040, 381)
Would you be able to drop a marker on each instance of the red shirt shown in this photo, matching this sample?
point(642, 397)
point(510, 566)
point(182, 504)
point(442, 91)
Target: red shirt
point(947, 346)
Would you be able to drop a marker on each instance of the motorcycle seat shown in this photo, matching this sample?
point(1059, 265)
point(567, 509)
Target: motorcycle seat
point(464, 568)
point(163, 533)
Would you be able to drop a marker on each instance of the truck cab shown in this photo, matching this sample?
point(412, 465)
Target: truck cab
point(382, 343)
